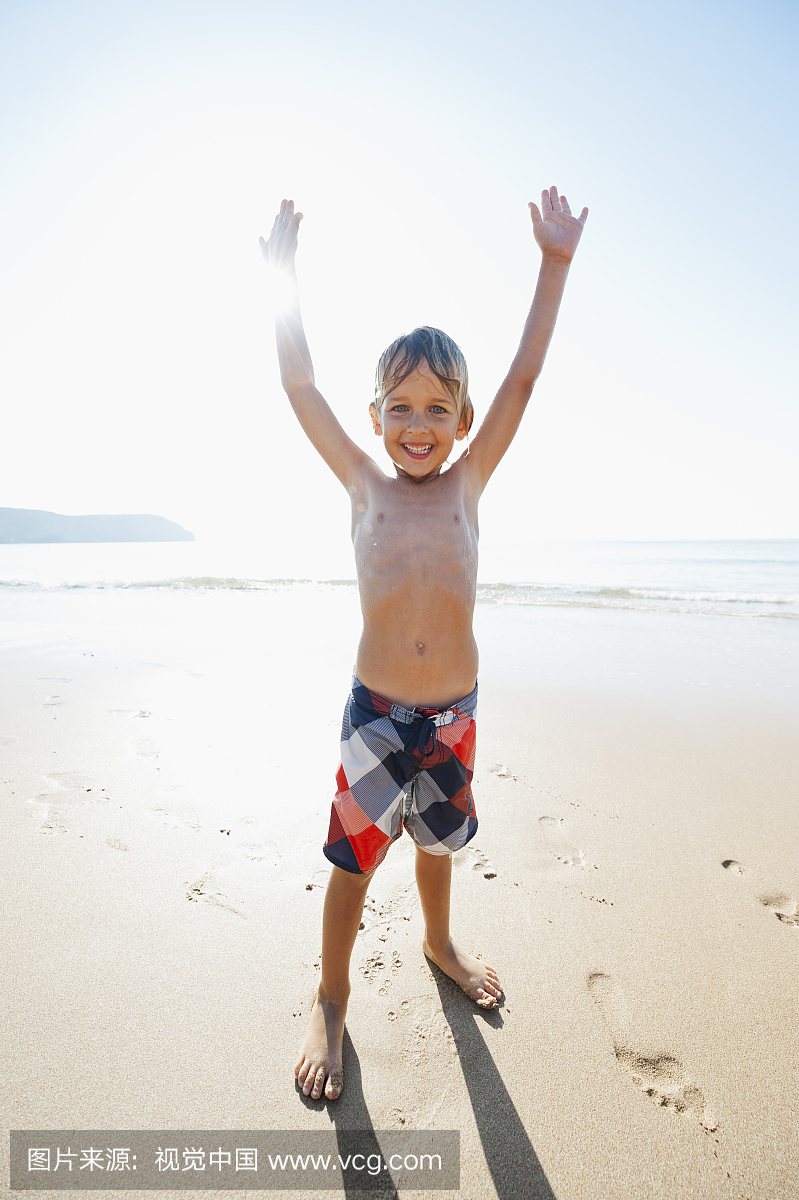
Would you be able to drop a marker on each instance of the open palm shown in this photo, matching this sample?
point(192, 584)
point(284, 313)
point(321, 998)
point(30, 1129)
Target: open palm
point(555, 229)
point(280, 248)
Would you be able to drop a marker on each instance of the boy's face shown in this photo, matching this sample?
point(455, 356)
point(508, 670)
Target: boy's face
point(419, 424)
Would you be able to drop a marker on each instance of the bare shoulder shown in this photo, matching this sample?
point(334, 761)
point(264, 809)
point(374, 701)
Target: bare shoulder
point(465, 477)
point(367, 481)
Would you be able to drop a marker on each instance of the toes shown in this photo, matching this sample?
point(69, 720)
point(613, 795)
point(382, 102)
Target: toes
point(319, 1082)
point(485, 1001)
point(335, 1085)
point(301, 1070)
point(310, 1078)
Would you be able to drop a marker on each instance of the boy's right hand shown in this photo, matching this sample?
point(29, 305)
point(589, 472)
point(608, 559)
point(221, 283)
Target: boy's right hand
point(281, 247)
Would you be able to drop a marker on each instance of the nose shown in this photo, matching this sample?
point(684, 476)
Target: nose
point(417, 422)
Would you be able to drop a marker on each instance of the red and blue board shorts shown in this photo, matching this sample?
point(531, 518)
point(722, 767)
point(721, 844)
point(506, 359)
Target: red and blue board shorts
point(401, 769)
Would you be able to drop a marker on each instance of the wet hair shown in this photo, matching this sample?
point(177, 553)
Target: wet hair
point(443, 357)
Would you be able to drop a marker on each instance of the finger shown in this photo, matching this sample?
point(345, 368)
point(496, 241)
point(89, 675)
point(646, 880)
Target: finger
point(295, 220)
point(553, 196)
point(535, 214)
point(583, 217)
point(546, 202)
point(262, 242)
point(564, 203)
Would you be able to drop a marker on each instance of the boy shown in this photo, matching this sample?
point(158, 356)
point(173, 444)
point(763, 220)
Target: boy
point(408, 732)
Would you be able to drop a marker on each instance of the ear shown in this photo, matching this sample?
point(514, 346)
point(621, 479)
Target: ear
point(464, 428)
point(373, 413)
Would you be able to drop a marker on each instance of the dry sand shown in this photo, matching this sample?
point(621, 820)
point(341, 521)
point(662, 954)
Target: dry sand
point(164, 885)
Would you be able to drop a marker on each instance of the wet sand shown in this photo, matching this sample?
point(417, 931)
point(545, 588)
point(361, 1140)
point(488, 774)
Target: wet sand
point(166, 774)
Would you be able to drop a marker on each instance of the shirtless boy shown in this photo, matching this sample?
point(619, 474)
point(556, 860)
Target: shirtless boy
point(408, 732)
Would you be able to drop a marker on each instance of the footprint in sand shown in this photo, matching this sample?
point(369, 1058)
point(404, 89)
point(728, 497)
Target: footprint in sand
point(428, 1035)
point(53, 702)
point(396, 1118)
point(259, 851)
point(49, 818)
point(205, 890)
point(568, 855)
point(472, 859)
point(387, 914)
point(782, 904)
point(661, 1077)
point(146, 748)
point(783, 907)
point(255, 851)
point(79, 790)
point(176, 820)
point(499, 769)
point(68, 780)
point(374, 965)
point(396, 964)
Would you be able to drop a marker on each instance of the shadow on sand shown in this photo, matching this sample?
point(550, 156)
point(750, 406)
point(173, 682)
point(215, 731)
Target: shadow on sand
point(348, 1114)
point(515, 1170)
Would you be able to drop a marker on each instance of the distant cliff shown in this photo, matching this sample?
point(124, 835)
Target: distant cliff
point(31, 525)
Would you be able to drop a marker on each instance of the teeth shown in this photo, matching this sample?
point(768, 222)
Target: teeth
point(418, 449)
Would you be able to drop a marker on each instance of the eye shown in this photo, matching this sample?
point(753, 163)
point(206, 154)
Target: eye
point(400, 408)
point(437, 409)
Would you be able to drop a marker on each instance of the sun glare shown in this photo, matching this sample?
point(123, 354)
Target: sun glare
point(282, 288)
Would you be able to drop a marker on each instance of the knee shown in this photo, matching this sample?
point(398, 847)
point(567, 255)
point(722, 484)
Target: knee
point(351, 881)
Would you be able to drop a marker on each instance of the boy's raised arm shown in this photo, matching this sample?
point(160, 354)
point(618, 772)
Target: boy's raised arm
point(296, 369)
point(557, 233)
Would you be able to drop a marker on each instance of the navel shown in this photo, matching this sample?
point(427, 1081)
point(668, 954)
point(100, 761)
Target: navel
point(420, 648)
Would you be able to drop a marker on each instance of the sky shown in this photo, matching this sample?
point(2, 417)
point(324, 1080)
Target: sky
point(145, 147)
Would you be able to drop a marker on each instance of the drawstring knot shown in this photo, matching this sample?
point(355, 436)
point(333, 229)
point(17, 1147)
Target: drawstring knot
point(426, 741)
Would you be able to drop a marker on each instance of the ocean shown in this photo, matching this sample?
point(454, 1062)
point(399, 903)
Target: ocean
point(742, 579)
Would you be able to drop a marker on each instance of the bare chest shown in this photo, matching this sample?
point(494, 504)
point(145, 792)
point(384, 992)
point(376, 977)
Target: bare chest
point(418, 535)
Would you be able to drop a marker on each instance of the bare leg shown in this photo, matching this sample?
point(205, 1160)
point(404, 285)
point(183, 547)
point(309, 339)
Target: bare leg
point(320, 1052)
point(480, 982)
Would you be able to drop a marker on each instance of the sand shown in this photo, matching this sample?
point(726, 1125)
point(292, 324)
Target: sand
point(166, 772)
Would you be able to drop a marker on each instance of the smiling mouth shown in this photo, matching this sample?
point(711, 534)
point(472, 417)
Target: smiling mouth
point(417, 451)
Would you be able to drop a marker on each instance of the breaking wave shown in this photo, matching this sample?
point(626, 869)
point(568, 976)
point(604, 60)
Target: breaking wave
point(726, 603)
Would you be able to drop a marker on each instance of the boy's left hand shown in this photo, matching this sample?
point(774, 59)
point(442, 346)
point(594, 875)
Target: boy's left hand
point(555, 229)
point(280, 249)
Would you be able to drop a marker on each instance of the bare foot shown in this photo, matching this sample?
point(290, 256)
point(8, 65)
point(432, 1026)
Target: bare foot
point(479, 982)
point(320, 1052)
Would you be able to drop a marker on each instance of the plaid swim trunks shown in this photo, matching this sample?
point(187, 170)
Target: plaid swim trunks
point(401, 768)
